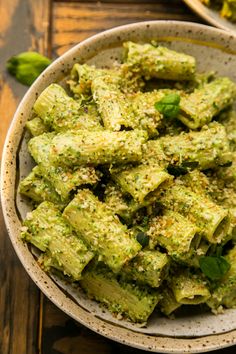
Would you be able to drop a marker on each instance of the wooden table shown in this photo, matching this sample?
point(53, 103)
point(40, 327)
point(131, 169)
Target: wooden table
point(30, 323)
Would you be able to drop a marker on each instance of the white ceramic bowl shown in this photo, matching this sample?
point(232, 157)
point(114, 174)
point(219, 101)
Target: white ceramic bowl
point(214, 49)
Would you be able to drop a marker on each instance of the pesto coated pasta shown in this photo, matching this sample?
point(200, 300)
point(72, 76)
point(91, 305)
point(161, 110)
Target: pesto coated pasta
point(227, 8)
point(134, 184)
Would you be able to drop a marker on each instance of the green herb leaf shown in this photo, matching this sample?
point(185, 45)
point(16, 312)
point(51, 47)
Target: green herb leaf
point(214, 267)
point(182, 169)
point(227, 164)
point(177, 170)
point(142, 238)
point(27, 66)
point(169, 105)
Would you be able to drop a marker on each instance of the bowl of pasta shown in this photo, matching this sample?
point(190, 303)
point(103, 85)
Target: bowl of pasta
point(221, 14)
point(118, 185)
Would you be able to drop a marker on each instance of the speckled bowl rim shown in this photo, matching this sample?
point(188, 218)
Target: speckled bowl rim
point(88, 48)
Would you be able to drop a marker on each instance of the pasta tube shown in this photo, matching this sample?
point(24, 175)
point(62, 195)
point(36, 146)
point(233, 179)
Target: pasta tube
point(188, 288)
point(212, 220)
point(153, 153)
point(46, 229)
point(64, 180)
point(198, 108)
point(173, 232)
point(36, 126)
point(118, 109)
point(124, 205)
point(220, 191)
point(121, 297)
point(228, 174)
point(62, 112)
point(141, 180)
point(179, 237)
point(168, 303)
point(83, 147)
point(101, 229)
point(120, 204)
point(112, 104)
point(150, 267)
point(144, 113)
point(82, 76)
point(207, 148)
point(37, 188)
point(196, 180)
point(159, 62)
point(228, 120)
point(198, 249)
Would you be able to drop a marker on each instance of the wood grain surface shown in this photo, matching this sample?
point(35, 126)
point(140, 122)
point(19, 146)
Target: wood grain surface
point(21, 29)
point(29, 323)
point(74, 22)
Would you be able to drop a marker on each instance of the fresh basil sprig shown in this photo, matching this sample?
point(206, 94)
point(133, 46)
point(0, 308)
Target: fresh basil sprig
point(142, 238)
point(214, 267)
point(169, 105)
point(27, 66)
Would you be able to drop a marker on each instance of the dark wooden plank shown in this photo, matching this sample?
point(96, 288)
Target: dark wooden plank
point(62, 335)
point(21, 314)
point(73, 22)
point(164, 2)
point(24, 25)
point(18, 302)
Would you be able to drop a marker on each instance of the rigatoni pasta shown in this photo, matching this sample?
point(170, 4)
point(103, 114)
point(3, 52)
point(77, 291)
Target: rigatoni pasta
point(83, 147)
point(102, 230)
point(82, 77)
point(196, 147)
point(134, 185)
point(199, 108)
point(148, 267)
point(115, 110)
point(36, 126)
point(212, 220)
point(189, 288)
point(63, 179)
point(141, 180)
point(39, 189)
point(62, 112)
point(168, 303)
point(46, 229)
point(121, 297)
point(159, 62)
point(173, 232)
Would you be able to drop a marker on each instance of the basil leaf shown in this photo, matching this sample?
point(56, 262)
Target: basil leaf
point(214, 267)
point(142, 238)
point(182, 169)
point(27, 66)
point(227, 164)
point(169, 105)
point(177, 170)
